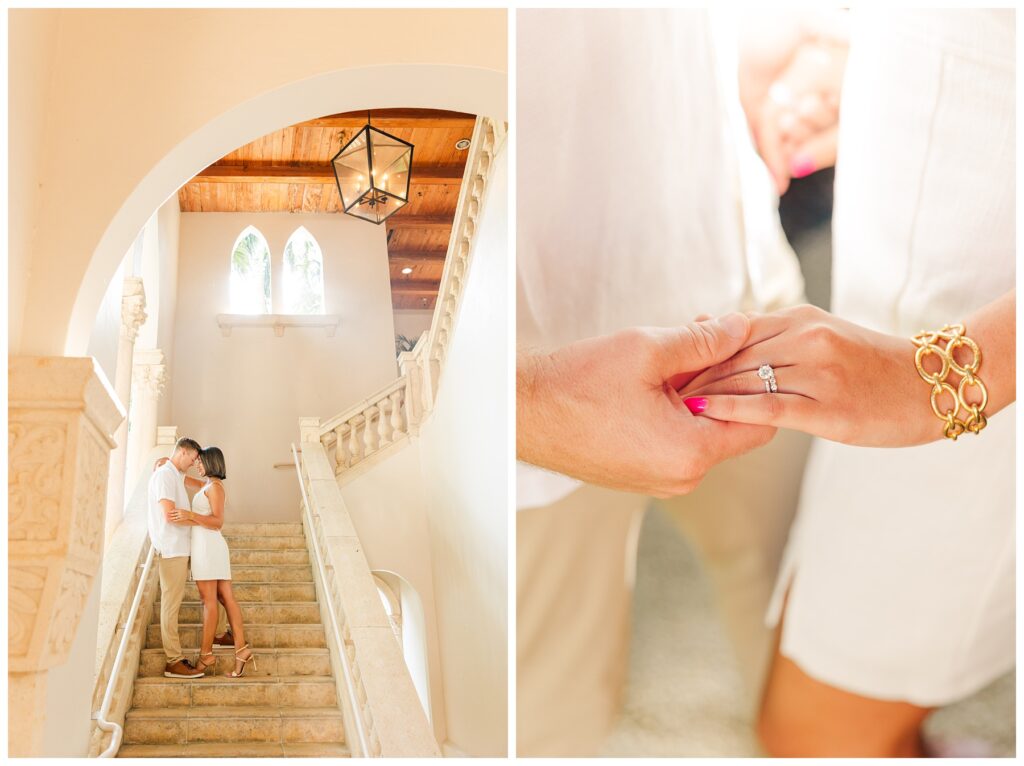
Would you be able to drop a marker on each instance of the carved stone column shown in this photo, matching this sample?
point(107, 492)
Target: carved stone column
point(133, 314)
point(61, 414)
point(149, 378)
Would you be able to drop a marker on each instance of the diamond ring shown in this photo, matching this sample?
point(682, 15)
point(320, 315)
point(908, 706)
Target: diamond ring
point(767, 374)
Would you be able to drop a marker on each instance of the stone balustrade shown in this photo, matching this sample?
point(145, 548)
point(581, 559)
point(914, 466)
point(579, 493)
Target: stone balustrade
point(377, 422)
point(382, 712)
point(385, 420)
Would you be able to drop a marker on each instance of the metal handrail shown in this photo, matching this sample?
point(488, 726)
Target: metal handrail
point(108, 695)
point(318, 556)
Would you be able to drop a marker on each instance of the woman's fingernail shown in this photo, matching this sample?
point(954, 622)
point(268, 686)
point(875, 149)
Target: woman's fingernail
point(802, 165)
point(696, 404)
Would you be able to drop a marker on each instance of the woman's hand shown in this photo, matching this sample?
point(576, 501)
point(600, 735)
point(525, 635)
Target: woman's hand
point(790, 74)
point(836, 380)
point(160, 462)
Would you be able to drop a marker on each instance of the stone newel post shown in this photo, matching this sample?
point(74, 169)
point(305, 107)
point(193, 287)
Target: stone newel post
point(133, 314)
point(61, 417)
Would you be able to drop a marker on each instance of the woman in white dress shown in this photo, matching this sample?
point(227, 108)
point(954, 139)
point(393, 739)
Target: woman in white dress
point(896, 595)
point(211, 562)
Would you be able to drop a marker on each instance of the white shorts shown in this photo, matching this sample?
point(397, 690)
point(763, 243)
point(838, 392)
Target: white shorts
point(900, 568)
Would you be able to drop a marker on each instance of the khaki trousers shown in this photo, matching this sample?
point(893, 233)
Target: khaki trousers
point(173, 577)
point(575, 570)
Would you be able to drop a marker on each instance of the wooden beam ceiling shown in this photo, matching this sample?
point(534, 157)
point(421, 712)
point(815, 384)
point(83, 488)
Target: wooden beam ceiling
point(401, 220)
point(289, 171)
point(402, 258)
point(415, 287)
point(392, 119)
point(315, 173)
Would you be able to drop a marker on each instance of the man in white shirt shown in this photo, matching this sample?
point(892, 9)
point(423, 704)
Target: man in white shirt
point(641, 204)
point(172, 542)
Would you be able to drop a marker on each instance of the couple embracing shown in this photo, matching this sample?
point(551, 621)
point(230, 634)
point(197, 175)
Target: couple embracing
point(184, 532)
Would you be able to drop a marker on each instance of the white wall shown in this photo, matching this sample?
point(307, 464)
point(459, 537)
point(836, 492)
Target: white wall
point(32, 41)
point(412, 322)
point(246, 393)
point(464, 457)
point(105, 332)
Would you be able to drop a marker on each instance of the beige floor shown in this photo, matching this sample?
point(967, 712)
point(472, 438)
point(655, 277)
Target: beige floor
point(684, 696)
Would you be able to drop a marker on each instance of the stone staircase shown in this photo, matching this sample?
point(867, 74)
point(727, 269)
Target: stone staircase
point(287, 708)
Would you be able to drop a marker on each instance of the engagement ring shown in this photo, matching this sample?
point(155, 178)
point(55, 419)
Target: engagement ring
point(767, 374)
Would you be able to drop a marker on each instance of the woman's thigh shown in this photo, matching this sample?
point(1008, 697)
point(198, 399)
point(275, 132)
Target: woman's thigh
point(801, 716)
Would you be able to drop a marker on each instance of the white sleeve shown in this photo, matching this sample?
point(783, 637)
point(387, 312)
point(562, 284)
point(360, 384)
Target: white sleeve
point(165, 489)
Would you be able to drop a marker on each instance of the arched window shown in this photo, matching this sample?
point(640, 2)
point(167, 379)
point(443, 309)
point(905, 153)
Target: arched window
point(250, 273)
point(303, 279)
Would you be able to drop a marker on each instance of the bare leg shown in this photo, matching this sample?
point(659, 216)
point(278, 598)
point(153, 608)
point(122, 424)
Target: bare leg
point(235, 620)
point(208, 593)
point(804, 717)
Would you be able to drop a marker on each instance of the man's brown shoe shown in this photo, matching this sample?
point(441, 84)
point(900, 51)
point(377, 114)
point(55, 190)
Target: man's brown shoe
point(225, 639)
point(181, 669)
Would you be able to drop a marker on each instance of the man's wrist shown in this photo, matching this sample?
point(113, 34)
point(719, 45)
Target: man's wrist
point(533, 372)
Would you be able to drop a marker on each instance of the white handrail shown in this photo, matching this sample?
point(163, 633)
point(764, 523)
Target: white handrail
point(108, 695)
point(346, 670)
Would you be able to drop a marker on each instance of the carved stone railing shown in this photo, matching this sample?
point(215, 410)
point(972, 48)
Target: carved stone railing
point(374, 424)
point(383, 421)
point(382, 713)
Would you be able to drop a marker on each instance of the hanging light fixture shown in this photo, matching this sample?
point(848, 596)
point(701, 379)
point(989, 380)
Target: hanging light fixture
point(373, 172)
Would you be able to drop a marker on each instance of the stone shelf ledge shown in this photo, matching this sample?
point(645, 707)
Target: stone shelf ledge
point(329, 322)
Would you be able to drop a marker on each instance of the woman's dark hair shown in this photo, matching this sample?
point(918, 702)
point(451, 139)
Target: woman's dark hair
point(213, 462)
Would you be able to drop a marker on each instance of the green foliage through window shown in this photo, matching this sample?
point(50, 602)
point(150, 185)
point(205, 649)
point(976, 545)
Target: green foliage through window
point(303, 279)
point(250, 274)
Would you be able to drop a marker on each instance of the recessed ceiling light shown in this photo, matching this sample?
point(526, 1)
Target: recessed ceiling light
point(407, 270)
point(462, 143)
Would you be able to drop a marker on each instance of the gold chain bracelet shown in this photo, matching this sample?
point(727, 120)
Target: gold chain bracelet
point(928, 343)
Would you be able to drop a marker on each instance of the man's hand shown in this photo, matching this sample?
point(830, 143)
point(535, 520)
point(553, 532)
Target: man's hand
point(606, 410)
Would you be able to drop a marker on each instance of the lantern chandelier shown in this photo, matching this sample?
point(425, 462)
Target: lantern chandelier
point(372, 172)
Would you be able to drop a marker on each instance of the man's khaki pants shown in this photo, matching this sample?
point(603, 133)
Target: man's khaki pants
point(575, 564)
point(173, 577)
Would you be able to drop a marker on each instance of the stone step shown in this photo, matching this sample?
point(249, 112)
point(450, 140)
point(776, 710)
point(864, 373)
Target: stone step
point(260, 636)
point(218, 691)
point(267, 557)
point(268, 573)
point(272, 662)
point(238, 750)
point(232, 724)
point(259, 529)
point(255, 542)
point(259, 592)
point(285, 613)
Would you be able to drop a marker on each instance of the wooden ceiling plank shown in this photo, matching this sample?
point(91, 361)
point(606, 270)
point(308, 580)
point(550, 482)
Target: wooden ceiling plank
point(313, 173)
point(393, 119)
point(417, 287)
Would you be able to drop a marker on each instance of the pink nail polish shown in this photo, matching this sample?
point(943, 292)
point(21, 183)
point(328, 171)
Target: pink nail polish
point(696, 404)
point(802, 165)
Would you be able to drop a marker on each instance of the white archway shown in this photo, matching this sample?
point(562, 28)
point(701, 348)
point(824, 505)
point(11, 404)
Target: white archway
point(458, 88)
point(413, 630)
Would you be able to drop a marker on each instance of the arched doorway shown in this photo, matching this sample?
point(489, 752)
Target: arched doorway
point(467, 89)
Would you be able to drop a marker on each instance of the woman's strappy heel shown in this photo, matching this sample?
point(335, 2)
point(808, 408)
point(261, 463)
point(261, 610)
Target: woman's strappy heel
point(202, 665)
point(239, 672)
